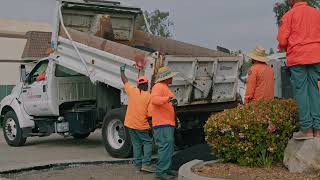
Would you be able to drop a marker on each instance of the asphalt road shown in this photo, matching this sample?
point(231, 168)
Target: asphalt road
point(57, 149)
point(40, 151)
point(53, 149)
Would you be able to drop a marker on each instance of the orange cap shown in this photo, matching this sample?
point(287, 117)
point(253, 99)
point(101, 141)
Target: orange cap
point(142, 80)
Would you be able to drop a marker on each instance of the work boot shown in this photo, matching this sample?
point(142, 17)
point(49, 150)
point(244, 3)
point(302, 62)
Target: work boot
point(303, 135)
point(165, 177)
point(137, 169)
point(316, 133)
point(150, 168)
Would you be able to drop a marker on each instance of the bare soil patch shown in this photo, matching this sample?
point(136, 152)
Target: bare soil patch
point(235, 172)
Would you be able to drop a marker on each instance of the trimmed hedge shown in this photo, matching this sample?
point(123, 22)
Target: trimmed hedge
point(252, 135)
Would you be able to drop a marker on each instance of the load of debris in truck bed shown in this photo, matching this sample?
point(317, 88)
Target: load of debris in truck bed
point(103, 38)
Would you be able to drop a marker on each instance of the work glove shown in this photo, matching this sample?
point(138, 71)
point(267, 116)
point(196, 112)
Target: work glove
point(123, 68)
point(173, 101)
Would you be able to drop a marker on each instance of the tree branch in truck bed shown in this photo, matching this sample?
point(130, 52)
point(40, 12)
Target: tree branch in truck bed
point(103, 44)
point(170, 46)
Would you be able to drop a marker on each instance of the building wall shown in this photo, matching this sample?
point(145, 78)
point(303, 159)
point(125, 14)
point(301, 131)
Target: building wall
point(11, 50)
point(9, 73)
point(11, 26)
point(10, 58)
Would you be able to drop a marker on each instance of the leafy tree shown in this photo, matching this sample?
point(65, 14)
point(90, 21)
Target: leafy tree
point(280, 8)
point(159, 22)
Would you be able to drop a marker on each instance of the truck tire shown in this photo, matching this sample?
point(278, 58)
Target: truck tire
point(80, 136)
point(11, 130)
point(115, 136)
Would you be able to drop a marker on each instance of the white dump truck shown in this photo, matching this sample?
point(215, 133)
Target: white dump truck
point(78, 89)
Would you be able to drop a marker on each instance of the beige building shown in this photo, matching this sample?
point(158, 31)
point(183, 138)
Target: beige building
point(19, 46)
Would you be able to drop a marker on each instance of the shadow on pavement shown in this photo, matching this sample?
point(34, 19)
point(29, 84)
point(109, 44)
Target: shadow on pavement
point(65, 142)
point(201, 152)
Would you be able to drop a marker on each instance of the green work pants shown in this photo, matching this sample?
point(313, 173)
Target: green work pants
point(164, 139)
point(142, 147)
point(304, 79)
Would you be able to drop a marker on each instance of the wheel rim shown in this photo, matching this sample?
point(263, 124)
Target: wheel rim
point(11, 129)
point(116, 134)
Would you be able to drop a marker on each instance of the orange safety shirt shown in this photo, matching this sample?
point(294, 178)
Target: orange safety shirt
point(299, 35)
point(162, 111)
point(137, 110)
point(260, 83)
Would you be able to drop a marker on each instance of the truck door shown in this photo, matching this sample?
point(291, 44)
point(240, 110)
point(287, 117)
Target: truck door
point(34, 91)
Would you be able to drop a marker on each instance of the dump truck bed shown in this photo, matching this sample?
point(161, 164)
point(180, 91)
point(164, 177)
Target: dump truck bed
point(205, 76)
point(201, 80)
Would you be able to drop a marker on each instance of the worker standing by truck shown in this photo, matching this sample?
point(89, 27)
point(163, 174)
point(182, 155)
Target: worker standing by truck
point(163, 121)
point(299, 36)
point(137, 123)
point(260, 81)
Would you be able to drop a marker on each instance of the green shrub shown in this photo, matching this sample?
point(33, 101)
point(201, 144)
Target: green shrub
point(252, 135)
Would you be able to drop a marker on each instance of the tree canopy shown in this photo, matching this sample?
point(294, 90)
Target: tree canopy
point(159, 22)
point(280, 8)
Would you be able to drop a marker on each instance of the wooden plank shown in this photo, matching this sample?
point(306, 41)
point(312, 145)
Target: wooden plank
point(171, 47)
point(105, 45)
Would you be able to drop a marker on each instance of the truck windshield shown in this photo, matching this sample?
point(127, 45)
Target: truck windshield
point(65, 72)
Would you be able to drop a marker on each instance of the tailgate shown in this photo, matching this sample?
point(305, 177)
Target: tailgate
point(204, 80)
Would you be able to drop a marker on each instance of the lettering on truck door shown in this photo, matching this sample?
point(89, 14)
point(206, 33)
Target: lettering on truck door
point(34, 91)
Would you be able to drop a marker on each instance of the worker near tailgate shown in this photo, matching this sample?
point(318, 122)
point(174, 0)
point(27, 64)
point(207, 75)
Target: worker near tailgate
point(137, 123)
point(299, 36)
point(163, 104)
point(260, 81)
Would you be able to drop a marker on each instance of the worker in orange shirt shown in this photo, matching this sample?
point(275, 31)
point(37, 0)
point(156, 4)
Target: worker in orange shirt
point(299, 36)
point(163, 121)
point(137, 123)
point(260, 81)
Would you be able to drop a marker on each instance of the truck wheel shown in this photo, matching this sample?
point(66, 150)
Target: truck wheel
point(12, 131)
point(115, 136)
point(80, 136)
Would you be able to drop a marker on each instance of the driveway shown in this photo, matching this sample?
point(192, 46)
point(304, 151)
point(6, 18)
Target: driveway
point(53, 149)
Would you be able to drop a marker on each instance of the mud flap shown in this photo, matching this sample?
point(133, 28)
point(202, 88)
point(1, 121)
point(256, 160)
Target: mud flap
point(26, 132)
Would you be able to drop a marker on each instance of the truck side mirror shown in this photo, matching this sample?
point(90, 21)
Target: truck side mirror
point(23, 73)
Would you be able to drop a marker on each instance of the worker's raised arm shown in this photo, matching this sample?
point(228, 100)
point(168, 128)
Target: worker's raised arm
point(250, 85)
point(123, 76)
point(284, 32)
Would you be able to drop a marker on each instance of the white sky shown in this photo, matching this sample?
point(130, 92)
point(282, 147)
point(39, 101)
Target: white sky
point(229, 23)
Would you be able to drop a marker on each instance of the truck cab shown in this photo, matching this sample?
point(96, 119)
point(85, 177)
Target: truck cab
point(52, 99)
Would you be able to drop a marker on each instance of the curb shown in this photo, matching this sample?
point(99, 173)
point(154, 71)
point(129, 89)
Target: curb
point(61, 165)
point(185, 172)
